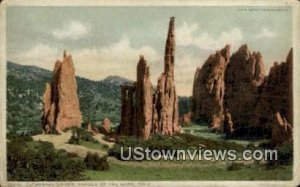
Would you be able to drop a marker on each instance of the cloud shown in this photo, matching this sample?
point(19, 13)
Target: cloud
point(73, 30)
point(265, 33)
point(41, 55)
point(187, 36)
point(185, 68)
point(119, 58)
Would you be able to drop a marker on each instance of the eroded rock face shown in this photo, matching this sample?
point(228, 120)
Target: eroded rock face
point(281, 130)
point(277, 99)
point(105, 128)
point(185, 119)
point(137, 106)
point(47, 119)
point(145, 111)
point(209, 89)
point(244, 78)
point(166, 97)
point(228, 124)
point(277, 94)
point(60, 101)
point(128, 126)
point(144, 99)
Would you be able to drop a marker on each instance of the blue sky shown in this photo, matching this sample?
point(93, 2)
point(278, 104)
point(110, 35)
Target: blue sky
point(107, 41)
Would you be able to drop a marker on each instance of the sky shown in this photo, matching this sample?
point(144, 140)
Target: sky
point(106, 41)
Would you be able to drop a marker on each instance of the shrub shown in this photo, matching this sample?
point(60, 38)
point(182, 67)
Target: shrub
point(164, 142)
point(95, 162)
point(73, 140)
point(39, 161)
point(81, 134)
point(105, 146)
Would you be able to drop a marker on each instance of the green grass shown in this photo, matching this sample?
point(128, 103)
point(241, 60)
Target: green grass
point(92, 145)
point(202, 130)
point(213, 172)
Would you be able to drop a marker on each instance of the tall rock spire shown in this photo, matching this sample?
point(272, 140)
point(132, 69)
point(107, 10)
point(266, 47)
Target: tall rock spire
point(166, 102)
point(170, 48)
point(145, 111)
point(136, 116)
point(61, 103)
point(143, 99)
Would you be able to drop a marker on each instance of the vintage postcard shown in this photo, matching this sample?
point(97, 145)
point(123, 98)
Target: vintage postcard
point(141, 93)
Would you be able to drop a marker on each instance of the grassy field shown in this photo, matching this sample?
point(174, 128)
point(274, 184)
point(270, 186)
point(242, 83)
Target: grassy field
point(61, 142)
point(212, 172)
point(172, 170)
point(202, 130)
point(93, 145)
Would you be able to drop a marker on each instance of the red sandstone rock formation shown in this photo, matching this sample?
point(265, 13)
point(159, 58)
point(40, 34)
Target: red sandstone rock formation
point(89, 127)
point(166, 100)
point(127, 126)
point(105, 128)
point(281, 130)
point(244, 78)
point(144, 112)
point(228, 124)
point(47, 119)
point(136, 117)
point(144, 99)
point(209, 89)
point(60, 101)
point(277, 94)
point(185, 119)
point(277, 99)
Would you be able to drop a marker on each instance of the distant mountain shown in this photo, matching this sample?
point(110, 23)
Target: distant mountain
point(117, 80)
point(98, 99)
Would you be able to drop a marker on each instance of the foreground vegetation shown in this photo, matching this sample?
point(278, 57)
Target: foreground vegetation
point(29, 160)
point(163, 142)
point(38, 161)
point(81, 136)
point(212, 172)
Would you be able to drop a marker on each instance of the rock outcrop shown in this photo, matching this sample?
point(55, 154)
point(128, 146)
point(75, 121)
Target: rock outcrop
point(144, 91)
point(253, 104)
point(166, 97)
point(244, 78)
point(105, 127)
point(209, 89)
point(92, 129)
point(145, 110)
point(281, 130)
point(128, 125)
point(136, 117)
point(60, 100)
point(276, 98)
point(185, 119)
point(228, 124)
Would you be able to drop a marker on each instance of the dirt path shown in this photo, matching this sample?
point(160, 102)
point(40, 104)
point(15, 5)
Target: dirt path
point(60, 142)
point(100, 139)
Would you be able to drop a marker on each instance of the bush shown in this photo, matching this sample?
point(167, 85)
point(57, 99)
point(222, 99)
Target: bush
point(164, 142)
point(105, 146)
point(39, 161)
point(95, 162)
point(74, 140)
point(81, 134)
